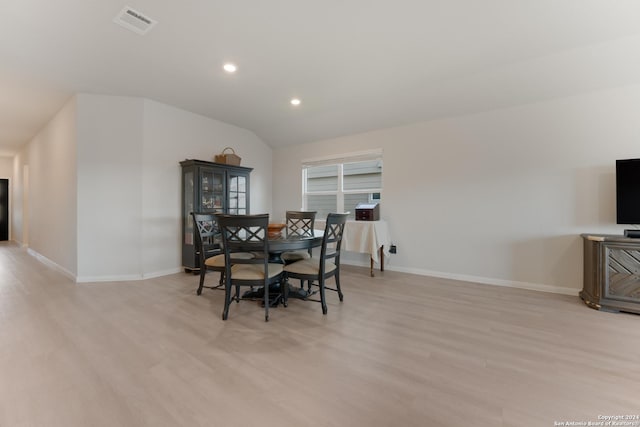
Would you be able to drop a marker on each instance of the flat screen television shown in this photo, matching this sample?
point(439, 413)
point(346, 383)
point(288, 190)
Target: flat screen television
point(628, 191)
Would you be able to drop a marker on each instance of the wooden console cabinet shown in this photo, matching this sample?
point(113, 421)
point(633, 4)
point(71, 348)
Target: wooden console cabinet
point(611, 273)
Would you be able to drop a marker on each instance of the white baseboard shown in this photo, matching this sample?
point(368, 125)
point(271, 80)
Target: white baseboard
point(475, 279)
point(430, 273)
point(46, 261)
point(88, 279)
point(162, 273)
point(128, 277)
point(119, 278)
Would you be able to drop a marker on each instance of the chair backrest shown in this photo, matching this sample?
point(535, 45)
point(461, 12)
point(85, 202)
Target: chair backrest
point(245, 233)
point(300, 223)
point(332, 240)
point(207, 235)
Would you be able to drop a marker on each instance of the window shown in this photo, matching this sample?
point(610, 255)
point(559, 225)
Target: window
point(338, 185)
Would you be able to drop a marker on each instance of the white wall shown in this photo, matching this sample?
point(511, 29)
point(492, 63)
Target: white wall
point(6, 167)
point(18, 199)
point(104, 187)
point(129, 182)
point(499, 197)
point(172, 135)
point(110, 133)
point(49, 161)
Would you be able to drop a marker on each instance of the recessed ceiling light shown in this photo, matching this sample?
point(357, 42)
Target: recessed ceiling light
point(295, 101)
point(230, 68)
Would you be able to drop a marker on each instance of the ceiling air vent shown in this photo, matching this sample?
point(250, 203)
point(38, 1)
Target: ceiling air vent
point(135, 21)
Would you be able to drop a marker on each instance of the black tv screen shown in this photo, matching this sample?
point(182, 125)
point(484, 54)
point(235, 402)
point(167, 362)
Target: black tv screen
point(628, 191)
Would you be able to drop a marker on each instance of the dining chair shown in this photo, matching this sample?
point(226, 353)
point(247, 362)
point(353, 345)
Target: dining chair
point(208, 240)
point(328, 265)
point(247, 233)
point(299, 223)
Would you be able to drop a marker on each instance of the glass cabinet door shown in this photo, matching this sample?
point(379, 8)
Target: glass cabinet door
point(238, 195)
point(188, 202)
point(211, 190)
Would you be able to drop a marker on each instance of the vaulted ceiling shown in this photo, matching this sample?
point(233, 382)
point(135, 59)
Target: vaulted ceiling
point(356, 65)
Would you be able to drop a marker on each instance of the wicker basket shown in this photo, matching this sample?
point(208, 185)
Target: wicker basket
point(229, 159)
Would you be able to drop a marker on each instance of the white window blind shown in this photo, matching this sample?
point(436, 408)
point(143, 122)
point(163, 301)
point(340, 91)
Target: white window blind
point(360, 156)
point(340, 183)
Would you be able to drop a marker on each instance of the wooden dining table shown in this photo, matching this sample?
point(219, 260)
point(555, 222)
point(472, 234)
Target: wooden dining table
point(277, 246)
point(285, 243)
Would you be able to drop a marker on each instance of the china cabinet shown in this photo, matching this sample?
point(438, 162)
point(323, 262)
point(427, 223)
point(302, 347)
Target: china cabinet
point(210, 187)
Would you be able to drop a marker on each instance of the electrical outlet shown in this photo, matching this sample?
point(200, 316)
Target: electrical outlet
point(393, 249)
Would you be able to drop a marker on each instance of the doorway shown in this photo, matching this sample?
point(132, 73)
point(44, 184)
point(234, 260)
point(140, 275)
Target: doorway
point(4, 209)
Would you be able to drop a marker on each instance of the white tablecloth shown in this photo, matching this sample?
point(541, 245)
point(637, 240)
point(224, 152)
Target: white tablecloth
point(364, 237)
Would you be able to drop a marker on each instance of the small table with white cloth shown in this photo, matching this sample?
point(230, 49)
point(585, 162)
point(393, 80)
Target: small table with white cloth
point(367, 237)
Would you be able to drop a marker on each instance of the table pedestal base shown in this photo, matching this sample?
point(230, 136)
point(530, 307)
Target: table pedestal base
point(275, 294)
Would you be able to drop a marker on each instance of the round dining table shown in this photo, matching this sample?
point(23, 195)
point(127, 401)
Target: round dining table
point(285, 243)
point(277, 246)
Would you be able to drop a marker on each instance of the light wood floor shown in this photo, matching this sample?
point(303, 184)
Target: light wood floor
point(402, 350)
